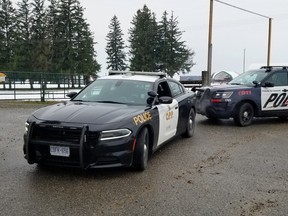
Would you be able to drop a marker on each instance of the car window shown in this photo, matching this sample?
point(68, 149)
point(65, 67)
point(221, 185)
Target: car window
point(279, 79)
point(176, 89)
point(163, 89)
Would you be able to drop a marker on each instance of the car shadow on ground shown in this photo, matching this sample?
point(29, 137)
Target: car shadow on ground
point(102, 173)
point(230, 122)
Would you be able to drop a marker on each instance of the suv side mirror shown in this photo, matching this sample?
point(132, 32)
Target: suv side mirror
point(268, 84)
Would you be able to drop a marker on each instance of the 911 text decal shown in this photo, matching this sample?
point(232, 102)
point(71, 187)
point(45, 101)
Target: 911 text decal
point(276, 100)
point(140, 119)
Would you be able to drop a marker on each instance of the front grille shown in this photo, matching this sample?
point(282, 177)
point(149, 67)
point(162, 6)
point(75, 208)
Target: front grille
point(59, 134)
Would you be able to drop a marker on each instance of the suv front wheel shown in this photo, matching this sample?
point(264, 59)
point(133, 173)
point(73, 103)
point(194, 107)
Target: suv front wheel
point(244, 114)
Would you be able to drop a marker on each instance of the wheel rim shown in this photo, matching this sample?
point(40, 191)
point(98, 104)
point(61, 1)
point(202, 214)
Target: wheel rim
point(190, 124)
point(246, 116)
point(145, 151)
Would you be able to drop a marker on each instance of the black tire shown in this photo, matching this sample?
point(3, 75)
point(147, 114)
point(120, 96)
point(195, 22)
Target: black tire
point(244, 114)
point(190, 125)
point(141, 153)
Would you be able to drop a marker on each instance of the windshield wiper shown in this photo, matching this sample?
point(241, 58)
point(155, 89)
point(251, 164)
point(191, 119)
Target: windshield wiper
point(235, 83)
point(106, 101)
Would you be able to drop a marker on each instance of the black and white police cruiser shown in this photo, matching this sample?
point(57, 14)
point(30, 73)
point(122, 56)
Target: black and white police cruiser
point(256, 93)
point(116, 121)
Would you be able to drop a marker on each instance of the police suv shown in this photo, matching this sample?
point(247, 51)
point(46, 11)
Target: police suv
point(256, 93)
point(117, 120)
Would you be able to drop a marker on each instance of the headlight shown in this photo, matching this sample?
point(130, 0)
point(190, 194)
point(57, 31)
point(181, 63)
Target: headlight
point(223, 95)
point(114, 134)
point(26, 126)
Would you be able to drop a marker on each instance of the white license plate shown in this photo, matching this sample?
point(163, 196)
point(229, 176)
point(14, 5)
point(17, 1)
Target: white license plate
point(62, 151)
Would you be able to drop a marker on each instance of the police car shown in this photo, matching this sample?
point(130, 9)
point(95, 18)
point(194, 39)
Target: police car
point(116, 121)
point(256, 93)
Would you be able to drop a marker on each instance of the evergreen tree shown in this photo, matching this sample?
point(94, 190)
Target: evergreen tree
point(85, 61)
point(143, 41)
point(23, 51)
point(40, 41)
point(7, 34)
point(115, 46)
point(73, 46)
point(173, 53)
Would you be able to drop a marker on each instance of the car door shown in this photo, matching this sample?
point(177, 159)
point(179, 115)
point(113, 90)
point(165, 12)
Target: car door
point(275, 98)
point(168, 114)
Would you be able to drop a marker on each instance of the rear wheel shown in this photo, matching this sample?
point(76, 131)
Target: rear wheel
point(141, 153)
point(244, 114)
point(190, 127)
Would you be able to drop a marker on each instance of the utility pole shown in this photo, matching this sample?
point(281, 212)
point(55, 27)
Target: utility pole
point(207, 80)
point(269, 41)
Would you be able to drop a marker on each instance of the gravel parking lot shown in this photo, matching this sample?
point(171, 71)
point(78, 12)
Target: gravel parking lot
point(222, 170)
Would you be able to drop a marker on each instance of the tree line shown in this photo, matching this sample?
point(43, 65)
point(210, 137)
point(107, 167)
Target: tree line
point(53, 36)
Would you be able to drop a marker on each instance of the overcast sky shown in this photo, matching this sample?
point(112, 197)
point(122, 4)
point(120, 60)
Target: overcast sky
point(233, 30)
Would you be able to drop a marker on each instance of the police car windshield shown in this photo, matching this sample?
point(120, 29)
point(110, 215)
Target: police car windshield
point(116, 91)
point(249, 77)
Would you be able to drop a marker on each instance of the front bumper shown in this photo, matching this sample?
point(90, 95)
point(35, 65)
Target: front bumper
point(86, 151)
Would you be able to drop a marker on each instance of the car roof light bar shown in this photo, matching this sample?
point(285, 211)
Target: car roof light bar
point(160, 74)
point(271, 67)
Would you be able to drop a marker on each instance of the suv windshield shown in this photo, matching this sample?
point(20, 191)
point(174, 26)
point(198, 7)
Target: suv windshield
point(249, 77)
point(116, 91)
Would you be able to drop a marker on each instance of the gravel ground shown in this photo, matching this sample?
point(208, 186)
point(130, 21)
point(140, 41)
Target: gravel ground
point(222, 170)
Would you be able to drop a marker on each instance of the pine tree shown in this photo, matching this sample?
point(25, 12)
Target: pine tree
point(115, 46)
point(174, 54)
point(7, 34)
point(143, 41)
point(73, 46)
point(23, 51)
point(85, 61)
point(40, 41)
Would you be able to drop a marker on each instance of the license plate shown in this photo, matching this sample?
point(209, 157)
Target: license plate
point(62, 151)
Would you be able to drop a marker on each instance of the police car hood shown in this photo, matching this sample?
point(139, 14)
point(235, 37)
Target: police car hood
point(89, 113)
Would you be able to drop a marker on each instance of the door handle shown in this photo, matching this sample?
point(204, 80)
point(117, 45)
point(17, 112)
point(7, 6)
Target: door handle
point(285, 90)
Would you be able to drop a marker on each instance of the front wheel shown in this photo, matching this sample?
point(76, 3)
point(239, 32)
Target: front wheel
point(190, 125)
point(140, 157)
point(244, 114)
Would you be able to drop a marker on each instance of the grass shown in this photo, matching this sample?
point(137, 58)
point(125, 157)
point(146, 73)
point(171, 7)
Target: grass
point(22, 103)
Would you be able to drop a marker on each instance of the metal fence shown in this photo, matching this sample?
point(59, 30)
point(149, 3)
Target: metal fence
point(39, 86)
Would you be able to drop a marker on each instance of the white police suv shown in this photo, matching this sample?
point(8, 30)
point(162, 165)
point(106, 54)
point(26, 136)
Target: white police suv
point(255, 93)
point(117, 120)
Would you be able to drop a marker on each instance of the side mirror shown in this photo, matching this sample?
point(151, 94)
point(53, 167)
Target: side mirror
point(152, 94)
point(165, 100)
point(268, 84)
point(71, 94)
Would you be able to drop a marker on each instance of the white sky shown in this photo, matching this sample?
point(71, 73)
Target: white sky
point(233, 30)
